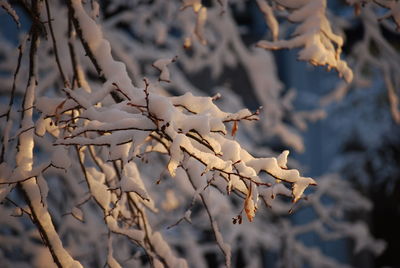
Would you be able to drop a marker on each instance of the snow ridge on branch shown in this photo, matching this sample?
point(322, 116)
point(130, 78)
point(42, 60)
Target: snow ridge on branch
point(319, 45)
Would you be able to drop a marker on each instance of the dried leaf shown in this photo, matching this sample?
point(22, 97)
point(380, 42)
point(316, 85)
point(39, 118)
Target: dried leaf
point(234, 128)
point(187, 43)
point(357, 9)
point(17, 212)
point(249, 207)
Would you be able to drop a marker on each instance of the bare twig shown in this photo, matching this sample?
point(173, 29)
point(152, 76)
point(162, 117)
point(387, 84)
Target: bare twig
point(63, 76)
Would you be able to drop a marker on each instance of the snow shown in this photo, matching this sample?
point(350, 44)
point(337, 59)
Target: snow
point(77, 213)
point(210, 160)
point(43, 187)
point(24, 157)
point(315, 35)
point(299, 186)
point(44, 218)
point(111, 261)
point(113, 70)
point(171, 202)
point(95, 9)
point(8, 8)
point(135, 235)
point(131, 181)
point(4, 190)
point(98, 189)
point(130, 123)
point(269, 18)
point(188, 131)
point(200, 123)
point(6, 133)
point(161, 65)
point(79, 97)
point(47, 105)
point(270, 193)
point(60, 157)
point(360, 235)
point(40, 126)
point(165, 252)
point(201, 21)
point(225, 247)
point(282, 159)
point(195, 4)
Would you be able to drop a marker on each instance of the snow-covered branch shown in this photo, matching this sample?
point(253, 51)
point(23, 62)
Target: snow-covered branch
point(160, 160)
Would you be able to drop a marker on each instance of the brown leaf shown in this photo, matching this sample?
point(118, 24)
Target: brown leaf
point(249, 207)
point(357, 9)
point(234, 128)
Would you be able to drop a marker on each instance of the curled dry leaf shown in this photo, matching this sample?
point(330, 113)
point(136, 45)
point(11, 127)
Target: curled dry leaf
point(234, 128)
point(249, 207)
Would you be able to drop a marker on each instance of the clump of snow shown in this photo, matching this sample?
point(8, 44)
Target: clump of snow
point(162, 66)
point(60, 157)
point(131, 181)
point(320, 46)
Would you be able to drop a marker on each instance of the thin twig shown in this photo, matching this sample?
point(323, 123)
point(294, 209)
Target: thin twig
point(65, 79)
